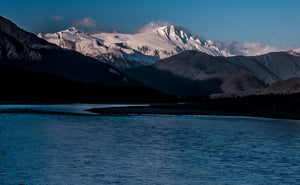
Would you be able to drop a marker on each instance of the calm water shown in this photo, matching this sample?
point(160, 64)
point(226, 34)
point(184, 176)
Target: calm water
point(70, 149)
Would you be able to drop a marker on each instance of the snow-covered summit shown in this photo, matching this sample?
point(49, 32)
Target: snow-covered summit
point(155, 41)
point(129, 50)
point(182, 39)
point(295, 52)
point(72, 30)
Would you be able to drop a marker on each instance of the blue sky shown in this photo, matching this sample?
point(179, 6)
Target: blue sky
point(275, 22)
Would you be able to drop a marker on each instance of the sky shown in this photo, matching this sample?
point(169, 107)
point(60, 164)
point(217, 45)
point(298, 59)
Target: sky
point(274, 22)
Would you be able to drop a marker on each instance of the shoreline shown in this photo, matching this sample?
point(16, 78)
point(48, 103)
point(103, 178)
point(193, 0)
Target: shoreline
point(206, 109)
point(191, 109)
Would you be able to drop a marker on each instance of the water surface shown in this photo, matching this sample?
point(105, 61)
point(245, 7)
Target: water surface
point(147, 149)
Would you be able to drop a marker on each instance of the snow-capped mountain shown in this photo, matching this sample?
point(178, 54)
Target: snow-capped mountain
point(25, 51)
point(130, 50)
point(151, 43)
point(295, 52)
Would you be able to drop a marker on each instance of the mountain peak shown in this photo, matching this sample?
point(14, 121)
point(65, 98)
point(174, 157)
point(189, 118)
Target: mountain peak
point(158, 25)
point(27, 39)
point(73, 30)
point(9, 27)
point(154, 41)
point(153, 26)
point(169, 28)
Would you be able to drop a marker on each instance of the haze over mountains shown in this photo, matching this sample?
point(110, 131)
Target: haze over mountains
point(151, 43)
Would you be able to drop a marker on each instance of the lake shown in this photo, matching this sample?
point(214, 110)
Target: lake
point(146, 149)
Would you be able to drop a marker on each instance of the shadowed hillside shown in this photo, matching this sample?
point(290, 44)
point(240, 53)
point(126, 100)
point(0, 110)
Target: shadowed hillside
point(34, 70)
point(18, 85)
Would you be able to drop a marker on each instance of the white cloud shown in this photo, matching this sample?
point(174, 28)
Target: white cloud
point(57, 17)
point(87, 22)
point(249, 49)
point(259, 48)
point(152, 25)
point(231, 47)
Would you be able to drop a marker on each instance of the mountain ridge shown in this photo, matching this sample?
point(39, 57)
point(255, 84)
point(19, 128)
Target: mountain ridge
point(189, 73)
point(146, 46)
point(229, 76)
point(197, 65)
point(130, 50)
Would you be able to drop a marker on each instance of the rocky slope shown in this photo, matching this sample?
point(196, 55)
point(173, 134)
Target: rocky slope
point(218, 76)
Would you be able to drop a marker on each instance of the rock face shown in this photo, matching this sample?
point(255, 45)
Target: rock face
point(24, 50)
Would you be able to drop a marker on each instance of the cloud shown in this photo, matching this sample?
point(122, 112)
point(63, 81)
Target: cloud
point(87, 22)
point(231, 47)
point(259, 48)
point(151, 26)
point(249, 49)
point(57, 17)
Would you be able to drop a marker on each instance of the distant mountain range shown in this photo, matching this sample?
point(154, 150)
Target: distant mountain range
point(169, 59)
point(147, 46)
point(194, 73)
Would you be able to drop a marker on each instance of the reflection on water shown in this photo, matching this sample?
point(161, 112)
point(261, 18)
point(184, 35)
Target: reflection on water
point(66, 149)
